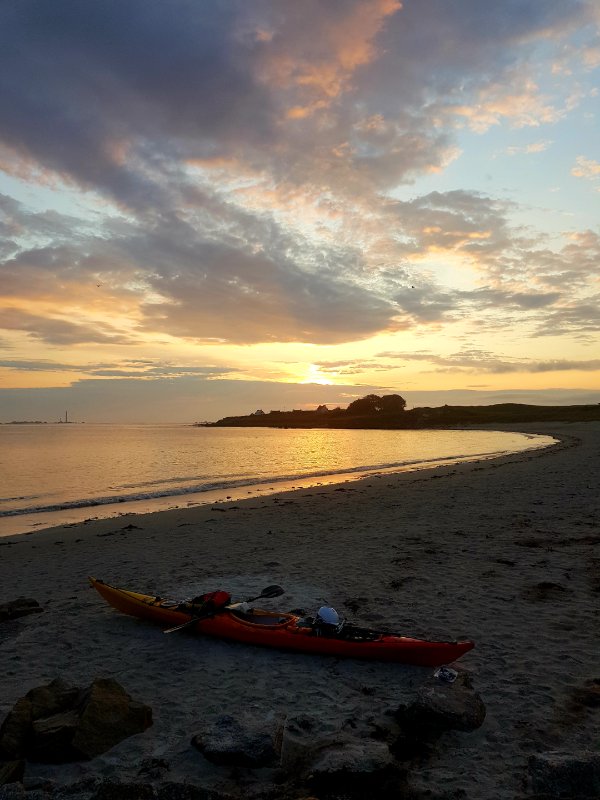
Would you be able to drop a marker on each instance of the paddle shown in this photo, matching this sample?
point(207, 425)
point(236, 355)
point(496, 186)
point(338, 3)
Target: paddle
point(268, 591)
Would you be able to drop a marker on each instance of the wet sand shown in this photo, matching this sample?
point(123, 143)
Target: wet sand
point(506, 552)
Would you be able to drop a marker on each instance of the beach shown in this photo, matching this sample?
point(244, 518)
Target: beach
point(503, 551)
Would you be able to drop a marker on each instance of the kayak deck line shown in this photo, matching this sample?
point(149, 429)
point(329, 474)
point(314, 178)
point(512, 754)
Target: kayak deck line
point(283, 630)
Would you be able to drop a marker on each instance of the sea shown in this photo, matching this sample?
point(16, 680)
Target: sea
point(61, 473)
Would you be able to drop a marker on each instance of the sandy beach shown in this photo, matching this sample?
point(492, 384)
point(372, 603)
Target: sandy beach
point(504, 551)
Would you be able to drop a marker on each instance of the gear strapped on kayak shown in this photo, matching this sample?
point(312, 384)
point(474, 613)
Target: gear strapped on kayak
point(336, 627)
point(208, 603)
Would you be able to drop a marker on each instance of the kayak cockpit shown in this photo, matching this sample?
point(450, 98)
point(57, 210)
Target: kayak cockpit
point(256, 617)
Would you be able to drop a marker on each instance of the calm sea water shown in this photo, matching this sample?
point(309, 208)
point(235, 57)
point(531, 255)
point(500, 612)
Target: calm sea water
point(53, 474)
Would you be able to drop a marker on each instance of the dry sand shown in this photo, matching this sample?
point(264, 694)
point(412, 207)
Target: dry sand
point(505, 552)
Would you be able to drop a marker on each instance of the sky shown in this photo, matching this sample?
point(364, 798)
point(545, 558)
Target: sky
point(212, 207)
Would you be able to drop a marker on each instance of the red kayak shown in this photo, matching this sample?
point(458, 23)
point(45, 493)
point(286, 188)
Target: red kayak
point(284, 631)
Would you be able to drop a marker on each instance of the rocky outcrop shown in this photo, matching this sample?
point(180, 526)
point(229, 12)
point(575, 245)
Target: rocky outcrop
point(58, 723)
point(297, 754)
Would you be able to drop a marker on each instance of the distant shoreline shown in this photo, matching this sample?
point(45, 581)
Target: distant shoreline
point(416, 418)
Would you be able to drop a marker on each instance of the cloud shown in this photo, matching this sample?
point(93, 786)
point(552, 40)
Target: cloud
point(62, 332)
point(523, 106)
point(135, 369)
point(581, 319)
point(128, 90)
point(353, 367)
point(204, 135)
point(532, 147)
point(252, 297)
point(586, 168)
point(483, 362)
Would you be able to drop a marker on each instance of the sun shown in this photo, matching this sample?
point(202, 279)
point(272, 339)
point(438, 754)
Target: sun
point(316, 376)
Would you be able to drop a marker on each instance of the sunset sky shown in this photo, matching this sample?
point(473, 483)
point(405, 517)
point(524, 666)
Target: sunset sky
point(212, 207)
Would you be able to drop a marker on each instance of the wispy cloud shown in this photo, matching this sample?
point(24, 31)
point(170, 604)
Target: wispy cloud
point(532, 147)
point(134, 369)
point(587, 168)
point(480, 361)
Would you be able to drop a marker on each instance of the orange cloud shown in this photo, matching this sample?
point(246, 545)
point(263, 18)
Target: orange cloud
point(523, 106)
point(17, 165)
point(586, 168)
point(319, 70)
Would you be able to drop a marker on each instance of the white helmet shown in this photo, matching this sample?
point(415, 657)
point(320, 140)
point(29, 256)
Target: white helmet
point(327, 616)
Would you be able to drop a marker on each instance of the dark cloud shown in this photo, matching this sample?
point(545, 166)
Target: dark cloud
point(240, 297)
point(143, 370)
point(79, 81)
point(60, 331)
point(113, 94)
point(581, 319)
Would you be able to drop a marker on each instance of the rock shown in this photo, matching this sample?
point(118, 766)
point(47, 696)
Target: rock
point(40, 702)
point(565, 775)
point(58, 723)
point(57, 696)
point(299, 742)
point(358, 756)
point(19, 608)
point(441, 706)
point(303, 738)
point(50, 742)
point(11, 771)
point(108, 716)
point(15, 730)
point(350, 767)
point(244, 741)
point(356, 769)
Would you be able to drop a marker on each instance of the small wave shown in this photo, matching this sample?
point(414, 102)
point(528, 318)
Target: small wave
point(177, 479)
point(21, 498)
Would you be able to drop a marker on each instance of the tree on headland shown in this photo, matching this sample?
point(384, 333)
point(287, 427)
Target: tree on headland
point(374, 404)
